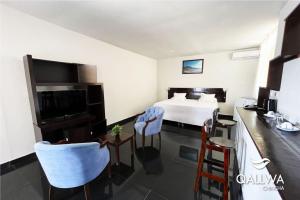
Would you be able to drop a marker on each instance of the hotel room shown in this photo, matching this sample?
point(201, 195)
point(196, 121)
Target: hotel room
point(150, 100)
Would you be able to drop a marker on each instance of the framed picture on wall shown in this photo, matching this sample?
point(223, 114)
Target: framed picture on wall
point(192, 66)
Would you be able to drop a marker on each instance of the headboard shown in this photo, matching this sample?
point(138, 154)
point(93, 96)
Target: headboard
point(194, 93)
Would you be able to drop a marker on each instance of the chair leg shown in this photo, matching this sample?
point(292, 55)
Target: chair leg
point(200, 168)
point(110, 188)
point(229, 132)
point(151, 140)
point(143, 141)
point(159, 136)
point(109, 169)
point(209, 168)
point(50, 192)
point(226, 162)
point(134, 138)
point(87, 192)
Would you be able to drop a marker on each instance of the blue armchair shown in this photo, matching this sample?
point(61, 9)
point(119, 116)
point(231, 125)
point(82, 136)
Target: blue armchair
point(149, 123)
point(72, 165)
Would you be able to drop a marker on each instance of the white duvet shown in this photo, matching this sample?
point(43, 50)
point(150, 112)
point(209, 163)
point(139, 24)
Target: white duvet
point(188, 111)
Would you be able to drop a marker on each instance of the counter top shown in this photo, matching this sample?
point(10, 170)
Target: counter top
point(282, 148)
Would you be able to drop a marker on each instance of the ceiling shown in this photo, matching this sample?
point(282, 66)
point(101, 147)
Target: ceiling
point(161, 29)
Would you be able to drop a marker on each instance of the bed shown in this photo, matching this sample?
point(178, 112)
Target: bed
point(191, 110)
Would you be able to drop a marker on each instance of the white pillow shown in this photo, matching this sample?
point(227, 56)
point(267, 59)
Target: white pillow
point(208, 98)
point(204, 95)
point(179, 96)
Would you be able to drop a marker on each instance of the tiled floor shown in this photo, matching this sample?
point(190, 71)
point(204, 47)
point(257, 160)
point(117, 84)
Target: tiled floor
point(167, 175)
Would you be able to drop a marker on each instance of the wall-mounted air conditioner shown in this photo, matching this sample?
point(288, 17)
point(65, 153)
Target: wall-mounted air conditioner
point(245, 54)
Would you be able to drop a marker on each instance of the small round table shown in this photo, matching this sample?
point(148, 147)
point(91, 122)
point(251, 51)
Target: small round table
point(227, 124)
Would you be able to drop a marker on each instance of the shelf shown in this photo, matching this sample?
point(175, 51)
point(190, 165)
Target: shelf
point(94, 104)
point(275, 71)
point(283, 59)
point(98, 122)
point(52, 125)
point(66, 84)
point(275, 74)
point(53, 71)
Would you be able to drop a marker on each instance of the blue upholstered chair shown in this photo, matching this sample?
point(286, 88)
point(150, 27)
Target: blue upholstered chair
point(72, 165)
point(149, 123)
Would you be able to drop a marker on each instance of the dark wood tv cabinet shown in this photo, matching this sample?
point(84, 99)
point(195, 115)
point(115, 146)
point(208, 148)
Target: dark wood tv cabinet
point(47, 75)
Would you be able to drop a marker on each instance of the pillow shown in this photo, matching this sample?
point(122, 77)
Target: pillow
point(179, 96)
point(204, 95)
point(208, 98)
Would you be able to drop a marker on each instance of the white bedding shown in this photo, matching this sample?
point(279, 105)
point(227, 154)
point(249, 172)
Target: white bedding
point(188, 111)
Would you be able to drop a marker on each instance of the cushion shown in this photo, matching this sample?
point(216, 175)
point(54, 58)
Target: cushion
point(208, 98)
point(179, 96)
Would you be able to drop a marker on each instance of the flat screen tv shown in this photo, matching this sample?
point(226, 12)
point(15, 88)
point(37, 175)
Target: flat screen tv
point(58, 104)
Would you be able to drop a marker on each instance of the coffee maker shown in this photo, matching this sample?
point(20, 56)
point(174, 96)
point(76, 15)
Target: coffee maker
point(270, 105)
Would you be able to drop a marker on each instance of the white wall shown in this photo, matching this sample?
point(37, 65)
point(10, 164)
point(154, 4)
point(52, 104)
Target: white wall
point(267, 52)
point(237, 77)
point(4, 147)
point(130, 80)
point(289, 95)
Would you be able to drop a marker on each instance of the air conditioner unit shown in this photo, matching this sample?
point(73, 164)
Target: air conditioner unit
point(245, 54)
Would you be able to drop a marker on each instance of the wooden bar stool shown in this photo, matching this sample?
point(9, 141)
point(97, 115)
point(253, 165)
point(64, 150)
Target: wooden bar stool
point(213, 144)
point(225, 123)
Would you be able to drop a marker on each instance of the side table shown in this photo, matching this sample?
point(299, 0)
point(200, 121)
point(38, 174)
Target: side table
point(117, 142)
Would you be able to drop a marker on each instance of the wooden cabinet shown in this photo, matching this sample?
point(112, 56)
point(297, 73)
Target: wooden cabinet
point(275, 74)
point(52, 86)
point(275, 71)
point(291, 39)
point(290, 49)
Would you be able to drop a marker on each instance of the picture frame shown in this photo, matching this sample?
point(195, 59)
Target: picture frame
point(192, 66)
